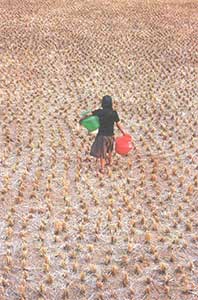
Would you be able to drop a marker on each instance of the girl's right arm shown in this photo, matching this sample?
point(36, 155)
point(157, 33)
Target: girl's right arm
point(120, 127)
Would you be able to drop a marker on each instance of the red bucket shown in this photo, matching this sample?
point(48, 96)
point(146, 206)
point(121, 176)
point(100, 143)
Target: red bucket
point(123, 144)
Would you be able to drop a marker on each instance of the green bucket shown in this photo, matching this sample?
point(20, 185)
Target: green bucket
point(91, 123)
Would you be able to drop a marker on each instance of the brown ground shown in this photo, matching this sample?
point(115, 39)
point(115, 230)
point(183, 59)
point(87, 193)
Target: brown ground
point(64, 232)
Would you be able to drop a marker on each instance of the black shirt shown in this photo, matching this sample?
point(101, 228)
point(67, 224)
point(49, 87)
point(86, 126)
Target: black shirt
point(107, 118)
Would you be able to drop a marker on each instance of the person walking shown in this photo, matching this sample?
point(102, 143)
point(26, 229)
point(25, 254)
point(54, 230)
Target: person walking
point(103, 144)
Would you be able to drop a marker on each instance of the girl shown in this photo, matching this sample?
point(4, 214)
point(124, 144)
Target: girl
point(102, 147)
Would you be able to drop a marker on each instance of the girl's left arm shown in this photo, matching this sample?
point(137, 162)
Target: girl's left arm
point(85, 116)
point(88, 114)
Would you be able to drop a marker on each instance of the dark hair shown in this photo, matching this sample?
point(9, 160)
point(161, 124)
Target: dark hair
point(107, 102)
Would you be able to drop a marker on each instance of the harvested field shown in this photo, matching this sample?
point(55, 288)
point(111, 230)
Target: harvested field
point(66, 233)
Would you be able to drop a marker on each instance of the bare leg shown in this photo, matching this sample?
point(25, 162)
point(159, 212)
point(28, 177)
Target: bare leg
point(109, 158)
point(102, 164)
